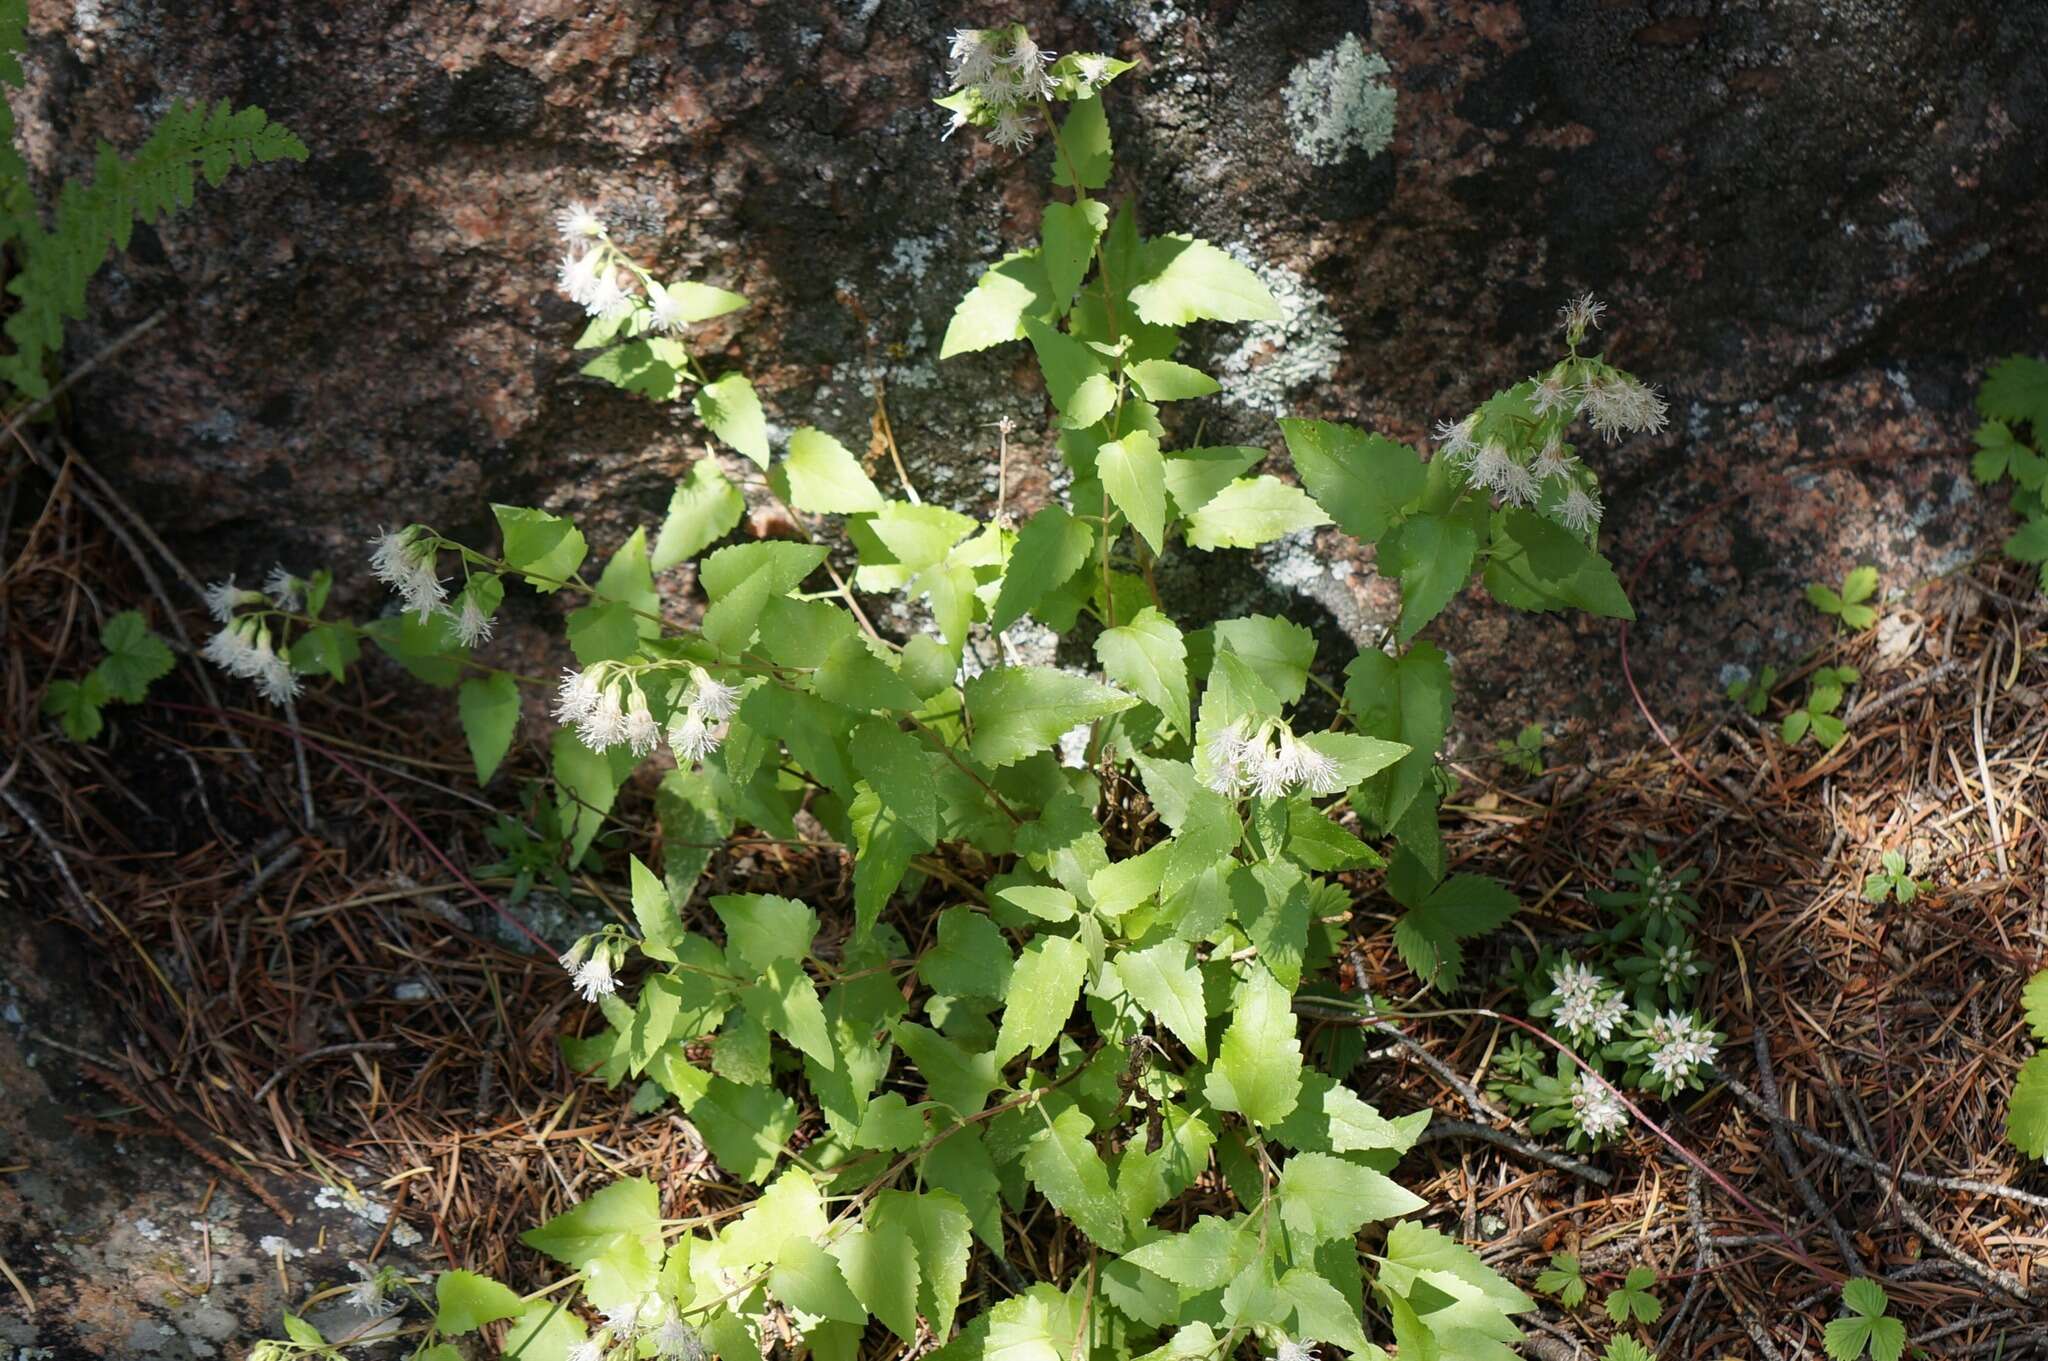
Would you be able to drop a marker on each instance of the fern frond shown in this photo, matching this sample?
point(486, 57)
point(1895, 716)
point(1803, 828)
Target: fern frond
point(190, 141)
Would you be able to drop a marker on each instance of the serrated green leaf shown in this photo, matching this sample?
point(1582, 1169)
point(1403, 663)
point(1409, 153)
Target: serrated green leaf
point(1149, 658)
point(1321, 1313)
point(1324, 1197)
point(825, 478)
point(1135, 478)
point(1195, 476)
point(786, 1002)
point(2029, 543)
point(1075, 375)
point(1019, 711)
point(807, 1278)
point(1044, 986)
point(1463, 906)
point(627, 1211)
point(1432, 556)
point(1163, 380)
point(1067, 1170)
point(1165, 981)
point(1084, 146)
point(881, 1267)
point(1363, 480)
point(1051, 547)
point(1279, 651)
point(1252, 511)
point(1206, 1257)
point(546, 549)
point(730, 410)
point(1258, 1067)
point(763, 930)
point(993, 311)
point(465, 1301)
point(2034, 1005)
point(937, 1226)
point(1182, 279)
point(970, 958)
point(2016, 389)
point(704, 509)
point(1633, 1299)
point(2026, 1116)
point(1068, 232)
point(742, 579)
point(135, 657)
point(745, 1127)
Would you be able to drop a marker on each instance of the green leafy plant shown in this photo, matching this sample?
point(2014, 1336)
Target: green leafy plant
point(1640, 1033)
point(1632, 1298)
point(1562, 1279)
point(94, 216)
point(1626, 1348)
point(135, 658)
point(2026, 1120)
point(1524, 751)
point(1867, 1327)
point(1847, 604)
point(2014, 403)
point(1083, 903)
point(1754, 693)
point(1817, 718)
point(1892, 881)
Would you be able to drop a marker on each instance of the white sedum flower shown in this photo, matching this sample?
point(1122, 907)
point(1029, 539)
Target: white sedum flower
point(1595, 1108)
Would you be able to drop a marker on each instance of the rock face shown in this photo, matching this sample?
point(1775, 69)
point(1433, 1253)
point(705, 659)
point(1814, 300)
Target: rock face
point(1813, 221)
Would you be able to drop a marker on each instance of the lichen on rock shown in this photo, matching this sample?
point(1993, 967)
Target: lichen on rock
point(1338, 104)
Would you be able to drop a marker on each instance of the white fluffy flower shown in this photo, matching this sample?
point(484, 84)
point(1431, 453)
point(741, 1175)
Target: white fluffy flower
point(605, 725)
point(222, 597)
point(1092, 69)
point(1454, 441)
point(593, 977)
point(576, 695)
point(1492, 467)
point(1013, 129)
point(472, 625)
point(1552, 393)
point(1579, 511)
point(1308, 768)
point(677, 1338)
point(1293, 1351)
point(1581, 314)
point(1616, 405)
point(1229, 752)
point(283, 589)
point(635, 1317)
point(579, 222)
point(273, 674)
point(404, 561)
point(1518, 484)
point(691, 738)
point(589, 1349)
point(642, 733)
point(609, 298)
point(581, 273)
point(1553, 461)
point(230, 649)
point(972, 58)
point(368, 1292)
point(712, 698)
point(669, 312)
point(1595, 1108)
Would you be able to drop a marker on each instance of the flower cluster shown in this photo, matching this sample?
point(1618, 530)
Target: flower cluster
point(1585, 1006)
point(1672, 1048)
point(1002, 73)
point(610, 707)
point(649, 1318)
point(243, 648)
point(1596, 1110)
point(405, 561)
point(372, 1290)
point(1270, 761)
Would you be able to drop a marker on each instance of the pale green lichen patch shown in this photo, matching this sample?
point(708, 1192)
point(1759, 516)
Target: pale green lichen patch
point(1340, 103)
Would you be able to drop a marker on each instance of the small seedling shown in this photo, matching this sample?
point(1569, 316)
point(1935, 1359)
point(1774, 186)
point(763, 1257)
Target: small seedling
point(2015, 395)
point(1563, 1280)
point(1755, 695)
point(1818, 715)
point(1891, 882)
point(1847, 603)
point(1866, 1327)
point(1633, 1298)
point(135, 658)
point(1626, 1349)
point(1523, 751)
